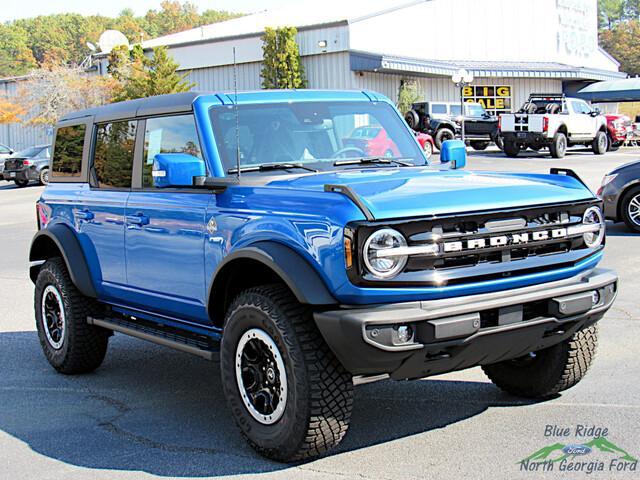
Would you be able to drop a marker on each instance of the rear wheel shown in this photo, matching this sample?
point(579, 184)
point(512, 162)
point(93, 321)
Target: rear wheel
point(558, 147)
point(288, 393)
point(479, 145)
point(547, 372)
point(69, 343)
point(442, 136)
point(600, 143)
point(512, 149)
point(630, 209)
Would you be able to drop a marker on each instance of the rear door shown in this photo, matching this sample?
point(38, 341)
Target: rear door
point(100, 212)
point(165, 227)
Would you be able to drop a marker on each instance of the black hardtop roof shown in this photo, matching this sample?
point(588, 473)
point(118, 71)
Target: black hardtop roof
point(171, 103)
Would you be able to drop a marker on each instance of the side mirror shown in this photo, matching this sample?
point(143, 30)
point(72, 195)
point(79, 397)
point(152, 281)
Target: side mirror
point(176, 169)
point(454, 152)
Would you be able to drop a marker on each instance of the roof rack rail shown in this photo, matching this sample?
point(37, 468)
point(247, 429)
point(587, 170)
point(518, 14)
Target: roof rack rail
point(555, 95)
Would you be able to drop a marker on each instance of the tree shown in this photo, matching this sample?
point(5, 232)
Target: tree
point(408, 93)
point(281, 65)
point(10, 112)
point(49, 93)
point(623, 42)
point(611, 12)
point(144, 76)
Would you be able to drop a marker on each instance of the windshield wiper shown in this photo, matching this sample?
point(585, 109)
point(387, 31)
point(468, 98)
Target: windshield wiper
point(272, 166)
point(364, 160)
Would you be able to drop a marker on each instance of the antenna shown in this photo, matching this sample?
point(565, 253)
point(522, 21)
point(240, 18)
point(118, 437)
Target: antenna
point(235, 102)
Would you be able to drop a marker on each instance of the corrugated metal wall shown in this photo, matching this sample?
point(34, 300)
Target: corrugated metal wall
point(20, 135)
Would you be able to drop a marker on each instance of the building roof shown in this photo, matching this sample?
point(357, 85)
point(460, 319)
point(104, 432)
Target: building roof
point(626, 90)
point(372, 62)
point(298, 15)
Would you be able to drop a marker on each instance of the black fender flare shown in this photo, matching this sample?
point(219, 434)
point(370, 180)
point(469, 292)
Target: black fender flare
point(296, 272)
point(69, 247)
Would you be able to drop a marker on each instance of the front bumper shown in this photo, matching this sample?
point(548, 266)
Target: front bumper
point(462, 332)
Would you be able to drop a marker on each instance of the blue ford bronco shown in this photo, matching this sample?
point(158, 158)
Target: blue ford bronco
point(260, 229)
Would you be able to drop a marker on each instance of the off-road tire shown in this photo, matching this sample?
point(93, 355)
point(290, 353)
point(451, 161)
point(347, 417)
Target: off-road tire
point(558, 146)
point(631, 195)
point(511, 149)
point(21, 183)
point(479, 146)
point(553, 370)
point(43, 176)
point(600, 143)
point(413, 119)
point(442, 136)
point(319, 389)
point(83, 346)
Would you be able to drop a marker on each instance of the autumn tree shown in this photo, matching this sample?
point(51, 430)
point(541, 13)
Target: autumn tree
point(281, 65)
point(623, 42)
point(10, 112)
point(144, 76)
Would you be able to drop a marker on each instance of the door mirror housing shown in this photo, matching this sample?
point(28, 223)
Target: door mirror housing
point(454, 152)
point(176, 170)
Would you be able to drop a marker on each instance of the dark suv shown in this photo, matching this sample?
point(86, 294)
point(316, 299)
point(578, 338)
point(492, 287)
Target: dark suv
point(252, 225)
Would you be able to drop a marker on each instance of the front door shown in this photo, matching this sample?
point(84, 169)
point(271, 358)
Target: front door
point(166, 227)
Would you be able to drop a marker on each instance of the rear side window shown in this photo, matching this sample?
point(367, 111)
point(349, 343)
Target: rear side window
point(438, 108)
point(113, 157)
point(176, 134)
point(67, 154)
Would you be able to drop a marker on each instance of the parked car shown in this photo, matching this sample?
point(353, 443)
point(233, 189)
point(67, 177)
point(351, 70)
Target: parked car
point(30, 164)
point(443, 121)
point(245, 225)
point(555, 122)
point(4, 153)
point(372, 140)
point(426, 142)
point(619, 128)
point(620, 190)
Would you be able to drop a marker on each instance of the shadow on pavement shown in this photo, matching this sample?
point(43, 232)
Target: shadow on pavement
point(154, 410)
point(620, 230)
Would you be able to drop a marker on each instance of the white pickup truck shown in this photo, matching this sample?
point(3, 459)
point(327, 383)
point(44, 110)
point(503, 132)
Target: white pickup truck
point(556, 122)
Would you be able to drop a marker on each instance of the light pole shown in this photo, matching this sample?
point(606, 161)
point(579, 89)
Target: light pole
point(461, 79)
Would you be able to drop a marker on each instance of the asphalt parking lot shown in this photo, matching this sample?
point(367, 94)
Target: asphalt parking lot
point(152, 412)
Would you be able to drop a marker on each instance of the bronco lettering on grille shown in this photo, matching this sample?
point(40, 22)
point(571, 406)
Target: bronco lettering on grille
point(504, 240)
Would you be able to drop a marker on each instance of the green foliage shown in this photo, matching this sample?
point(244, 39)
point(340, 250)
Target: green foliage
point(143, 76)
point(61, 38)
point(408, 93)
point(623, 42)
point(281, 65)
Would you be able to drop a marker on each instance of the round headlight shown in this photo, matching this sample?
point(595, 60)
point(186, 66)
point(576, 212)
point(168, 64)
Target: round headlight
point(379, 258)
point(593, 216)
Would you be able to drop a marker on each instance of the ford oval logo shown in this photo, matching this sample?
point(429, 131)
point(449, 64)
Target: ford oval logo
point(576, 450)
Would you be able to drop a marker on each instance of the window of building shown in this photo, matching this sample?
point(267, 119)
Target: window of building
point(113, 157)
point(67, 154)
point(176, 134)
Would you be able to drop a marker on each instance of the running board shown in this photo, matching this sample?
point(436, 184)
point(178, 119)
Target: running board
point(193, 344)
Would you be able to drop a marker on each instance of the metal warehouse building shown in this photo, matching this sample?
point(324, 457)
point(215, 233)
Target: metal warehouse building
point(512, 47)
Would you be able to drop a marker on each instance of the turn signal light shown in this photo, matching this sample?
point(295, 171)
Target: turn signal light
point(348, 252)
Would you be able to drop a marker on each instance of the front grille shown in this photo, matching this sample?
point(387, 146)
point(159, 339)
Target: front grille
point(464, 264)
point(13, 164)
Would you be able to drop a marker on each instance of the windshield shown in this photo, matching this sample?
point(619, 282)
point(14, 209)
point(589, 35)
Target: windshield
point(314, 134)
point(28, 152)
point(475, 110)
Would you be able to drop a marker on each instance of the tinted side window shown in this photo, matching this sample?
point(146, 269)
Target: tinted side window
point(439, 108)
point(175, 134)
point(113, 157)
point(67, 154)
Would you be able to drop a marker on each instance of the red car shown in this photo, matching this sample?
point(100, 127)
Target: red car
point(373, 141)
point(618, 128)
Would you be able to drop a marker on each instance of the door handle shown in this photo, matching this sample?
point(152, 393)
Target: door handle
point(84, 215)
point(138, 219)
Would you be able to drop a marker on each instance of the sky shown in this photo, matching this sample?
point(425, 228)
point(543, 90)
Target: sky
point(13, 9)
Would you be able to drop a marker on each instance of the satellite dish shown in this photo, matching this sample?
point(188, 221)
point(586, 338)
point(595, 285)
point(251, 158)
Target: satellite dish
point(91, 46)
point(111, 39)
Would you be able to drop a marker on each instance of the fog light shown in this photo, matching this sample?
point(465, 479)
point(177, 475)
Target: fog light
point(595, 297)
point(405, 332)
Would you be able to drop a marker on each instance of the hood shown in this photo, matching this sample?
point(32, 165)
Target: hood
point(414, 192)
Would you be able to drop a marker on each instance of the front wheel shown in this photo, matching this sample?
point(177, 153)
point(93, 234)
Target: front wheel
point(428, 150)
point(547, 372)
point(600, 143)
point(289, 394)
